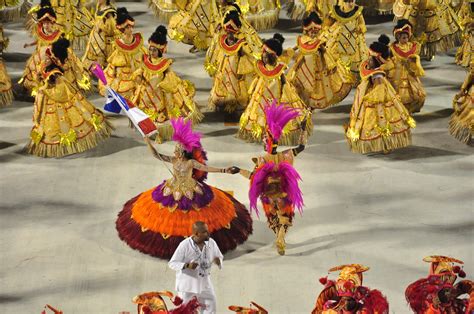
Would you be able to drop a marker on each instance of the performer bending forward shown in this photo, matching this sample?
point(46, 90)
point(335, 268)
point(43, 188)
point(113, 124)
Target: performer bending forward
point(156, 221)
point(274, 179)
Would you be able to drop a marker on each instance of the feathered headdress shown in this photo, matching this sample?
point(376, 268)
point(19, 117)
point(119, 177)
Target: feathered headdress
point(277, 116)
point(183, 134)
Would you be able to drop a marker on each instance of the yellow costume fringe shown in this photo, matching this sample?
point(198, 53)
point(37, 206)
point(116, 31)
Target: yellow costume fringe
point(65, 122)
point(461, 124)
point(378, 120)
point(6, 93)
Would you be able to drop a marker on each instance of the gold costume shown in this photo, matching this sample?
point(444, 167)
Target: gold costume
point(232, 67)
point(261, 14)
point(298, 9)
point(404, 71)
point(31, 78)
point(162, 95)
point(124, 60)
point(346, 40)
point(374, 7)
point(74, 70)
point(320, 81)
point(378, 119)
point(195, 22)
point(465, 52)
point(6, 94)
point(101, 39)
point(267, 86)
point(435, 24)
point(74, 19)
point(461, 125)
point(65, 122)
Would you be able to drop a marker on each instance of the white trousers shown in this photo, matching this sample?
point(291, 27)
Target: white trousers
point(207, 299)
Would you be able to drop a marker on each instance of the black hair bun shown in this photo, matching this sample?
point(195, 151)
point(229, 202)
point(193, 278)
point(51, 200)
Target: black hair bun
point(279, 37)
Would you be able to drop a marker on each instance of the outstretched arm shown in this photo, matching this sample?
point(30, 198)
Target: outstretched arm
point(197, 165)
point(155, 152)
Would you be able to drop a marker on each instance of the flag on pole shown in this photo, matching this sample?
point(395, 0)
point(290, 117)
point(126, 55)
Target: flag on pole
point(116, 103)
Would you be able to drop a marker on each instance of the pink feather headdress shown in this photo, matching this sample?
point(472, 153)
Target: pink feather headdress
point(277, 116)
point(183, 134)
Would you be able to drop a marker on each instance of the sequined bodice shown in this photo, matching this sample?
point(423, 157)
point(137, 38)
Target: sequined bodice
point(182, 183)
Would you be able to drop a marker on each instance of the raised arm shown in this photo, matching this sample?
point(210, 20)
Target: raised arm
point(155, 152)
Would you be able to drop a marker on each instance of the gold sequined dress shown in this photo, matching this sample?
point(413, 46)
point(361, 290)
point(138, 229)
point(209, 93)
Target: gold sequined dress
point(268, 85)
point(163, 95)
point(465, 52)
point(6, 93)
point(461, 125)
point(124, 60)
point(319, 79)
point(101, 39)
point(404, 71)
point(346, 40)
point(378, 120)
point(65, 122)
point(232, 67)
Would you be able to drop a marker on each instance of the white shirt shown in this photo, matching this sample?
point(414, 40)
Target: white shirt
point(194, 280)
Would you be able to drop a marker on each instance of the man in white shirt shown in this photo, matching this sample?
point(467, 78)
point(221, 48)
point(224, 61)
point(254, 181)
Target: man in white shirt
point(192, 262)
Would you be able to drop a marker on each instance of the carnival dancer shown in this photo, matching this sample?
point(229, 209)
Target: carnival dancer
point(299, 9)
point(461, 124)
point(156, 221)
point(464, 55)
point(270, 83)
point(192, 262)
point(347, 295)
point(46, 33)
point(6, 93)
point(274, 180)
point(439, 292)
point(404, 67)
point(378, 120)
point(231, 63)
point(319, 79)
point(254, 309)
point(126, 57)
point(347, 34)
point(160, 93)
point(435, 24)
point(101, 39)
point(154, 303)
point(65, 122)
point(49, 40)
point(194, 24)
point(73, 18)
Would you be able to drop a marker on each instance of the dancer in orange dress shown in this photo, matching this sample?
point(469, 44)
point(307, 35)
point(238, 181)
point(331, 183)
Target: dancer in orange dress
point(439, 293)
point(156, 221)
point(347, 295)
